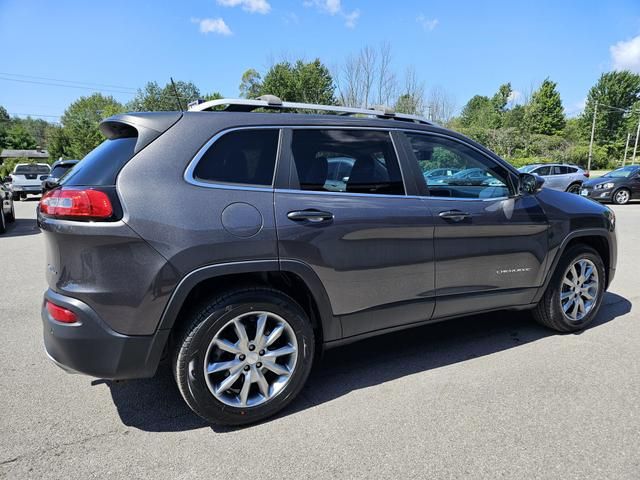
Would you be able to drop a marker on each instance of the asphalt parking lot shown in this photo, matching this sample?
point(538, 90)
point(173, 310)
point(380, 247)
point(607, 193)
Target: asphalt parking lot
point(491, 396)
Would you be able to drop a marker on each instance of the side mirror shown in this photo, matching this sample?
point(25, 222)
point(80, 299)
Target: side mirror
point(530, 183)
point(49, 184)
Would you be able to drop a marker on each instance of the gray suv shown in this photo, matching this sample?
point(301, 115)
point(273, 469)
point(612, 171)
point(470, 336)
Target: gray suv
point(228, 243)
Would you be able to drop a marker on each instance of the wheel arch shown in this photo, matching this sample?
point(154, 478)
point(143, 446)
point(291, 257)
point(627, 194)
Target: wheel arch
point(598, 239)
point(293, 278)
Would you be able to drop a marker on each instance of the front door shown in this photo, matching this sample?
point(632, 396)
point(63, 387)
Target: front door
point(490, 244)
point(370, 244)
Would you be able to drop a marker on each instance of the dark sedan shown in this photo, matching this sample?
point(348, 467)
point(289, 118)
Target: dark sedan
point(619, 186)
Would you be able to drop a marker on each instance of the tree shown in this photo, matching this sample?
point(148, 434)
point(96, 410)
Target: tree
point(615, 92)
point(480, 112)
point(441, 105)
point(58, 143)
point(250, 84)
point(81, 119)
point(411, 100)
point(545, 114)
point(300, 82)
point(501, 98)
point(153, 98)
point(5, 120)
point(19, 138)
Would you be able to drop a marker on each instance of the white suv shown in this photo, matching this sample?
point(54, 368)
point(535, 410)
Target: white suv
point(566, 178)
point(27, 178)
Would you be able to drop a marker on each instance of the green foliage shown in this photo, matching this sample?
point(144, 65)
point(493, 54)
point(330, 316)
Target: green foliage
point(409, 104)
point(9, 164)
point(153, 98)
point(523, 161)
point(501, 98)
point(58, 143)
point(80, 123)
point(480, 112)
point(620, 90)
point(251, 84)
point(19, 138)
point(300, 82)
point(545, 114)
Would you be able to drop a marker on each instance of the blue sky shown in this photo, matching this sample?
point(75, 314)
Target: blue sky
point(465, 47)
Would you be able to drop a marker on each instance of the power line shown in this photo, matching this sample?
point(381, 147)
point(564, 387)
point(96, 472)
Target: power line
point(34, 114)
point(69, 81)
point(62, 85)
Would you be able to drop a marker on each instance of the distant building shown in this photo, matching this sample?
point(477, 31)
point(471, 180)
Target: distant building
point(41, 155)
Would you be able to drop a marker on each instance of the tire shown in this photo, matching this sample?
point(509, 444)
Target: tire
point(549, 311)
point(215, 320)
point(621, 196)
point(3, 223)
point(11, 217)
point(16, 196)
point(574, 188)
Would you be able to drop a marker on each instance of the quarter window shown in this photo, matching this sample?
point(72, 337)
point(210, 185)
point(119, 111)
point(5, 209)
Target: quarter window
point(246, 157)
point(357, 161)
point(452, 169)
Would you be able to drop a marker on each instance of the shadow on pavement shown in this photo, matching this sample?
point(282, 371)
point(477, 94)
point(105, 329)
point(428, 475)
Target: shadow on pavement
point(21, 227)
point(155, 404)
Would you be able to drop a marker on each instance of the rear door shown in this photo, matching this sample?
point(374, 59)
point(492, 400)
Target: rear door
point(490, 244)
point(369, 242)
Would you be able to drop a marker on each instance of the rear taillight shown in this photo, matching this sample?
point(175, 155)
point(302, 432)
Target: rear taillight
point(76, 203)
point(60, 314)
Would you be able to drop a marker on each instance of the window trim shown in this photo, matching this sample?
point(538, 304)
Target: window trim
point(189, 174)
point(512, 188)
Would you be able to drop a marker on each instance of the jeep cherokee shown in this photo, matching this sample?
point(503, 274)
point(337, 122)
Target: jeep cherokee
point(226, 242)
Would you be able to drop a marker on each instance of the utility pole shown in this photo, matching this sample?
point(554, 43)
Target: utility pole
point(635, 147)
point(593, 131)
point(626, 149)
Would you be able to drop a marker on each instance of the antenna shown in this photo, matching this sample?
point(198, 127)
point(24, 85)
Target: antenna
point(175, 91)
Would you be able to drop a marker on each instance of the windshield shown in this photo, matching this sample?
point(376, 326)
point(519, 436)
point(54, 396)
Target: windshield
point(528, 168)
point(31, 168)
point(624, 172)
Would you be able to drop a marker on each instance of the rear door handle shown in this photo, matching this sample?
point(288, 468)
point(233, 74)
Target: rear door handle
point(314, 216)
point(454, 215)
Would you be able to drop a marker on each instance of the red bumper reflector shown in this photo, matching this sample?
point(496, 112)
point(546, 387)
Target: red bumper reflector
point(60, 314)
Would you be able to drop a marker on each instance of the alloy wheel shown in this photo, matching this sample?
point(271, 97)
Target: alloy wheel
point(622, 196)
point(579, 292)
point(251, 359)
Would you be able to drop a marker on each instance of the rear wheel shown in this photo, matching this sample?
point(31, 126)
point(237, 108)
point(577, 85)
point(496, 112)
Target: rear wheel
point(574, 188)
point(575, 292)
point(622, 196)
point(16, 197)
point(11, 216)
point(244, 356)
point(3, 222)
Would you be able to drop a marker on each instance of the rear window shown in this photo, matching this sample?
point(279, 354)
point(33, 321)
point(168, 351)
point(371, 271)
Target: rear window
point(102, 164)
point(60, 170)
point(246, 157)
point(32, 168)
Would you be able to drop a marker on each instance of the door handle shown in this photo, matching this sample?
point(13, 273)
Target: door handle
point(314, 216)
point(454, 215)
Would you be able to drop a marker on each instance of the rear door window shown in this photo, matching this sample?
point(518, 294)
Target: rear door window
point(246, 157)
point(353, 161)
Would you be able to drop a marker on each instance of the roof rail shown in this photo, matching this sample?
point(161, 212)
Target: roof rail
point(273, 102)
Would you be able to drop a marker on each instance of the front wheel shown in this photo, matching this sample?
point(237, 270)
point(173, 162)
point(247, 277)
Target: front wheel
point(574, 294)
point(574, 188)
point(244, 356)
point(622, 196)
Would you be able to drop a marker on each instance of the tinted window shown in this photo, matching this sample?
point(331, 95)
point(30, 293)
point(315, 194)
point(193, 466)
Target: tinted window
point(102, 164)
point(247, 157)
point(358, 161)
point(543, 171)
point(476, 176)
point(31, 168)
point(60, 170)
point(571, 169)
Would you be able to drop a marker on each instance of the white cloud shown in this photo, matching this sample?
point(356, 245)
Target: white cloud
point(334, 7)
point(251, 6)
point(626, 55)
point(427, 23)
point(212, 25)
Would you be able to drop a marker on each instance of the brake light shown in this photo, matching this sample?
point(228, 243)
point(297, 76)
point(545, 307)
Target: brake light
point(72, 203)
point(60, 314)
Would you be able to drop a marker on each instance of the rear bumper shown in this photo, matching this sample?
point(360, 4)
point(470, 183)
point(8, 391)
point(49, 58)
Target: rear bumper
point(90, 347)
point(27, 188)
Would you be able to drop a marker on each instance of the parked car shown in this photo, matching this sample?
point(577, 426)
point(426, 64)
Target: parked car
point(619, 186)
point(238, 259)
point(7, 212)
point(58, 169)
point(566, 178)
point(26, 179)
point(438, 174)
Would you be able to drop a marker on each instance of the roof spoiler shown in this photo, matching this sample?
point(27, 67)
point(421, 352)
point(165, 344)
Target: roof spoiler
point(147, 126)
